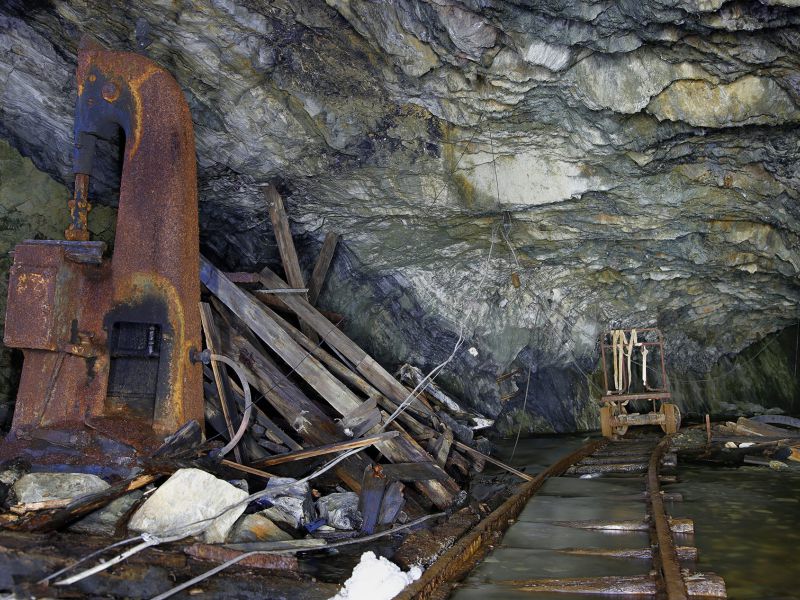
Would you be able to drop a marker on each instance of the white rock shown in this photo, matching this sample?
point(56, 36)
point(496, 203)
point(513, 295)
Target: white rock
point(184, 502)
point(376, 579)
point(38, 487)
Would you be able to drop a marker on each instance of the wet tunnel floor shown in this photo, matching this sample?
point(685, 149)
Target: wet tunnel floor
point(747, 525)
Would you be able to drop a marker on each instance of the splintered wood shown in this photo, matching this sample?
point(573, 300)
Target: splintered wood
point(318, 394)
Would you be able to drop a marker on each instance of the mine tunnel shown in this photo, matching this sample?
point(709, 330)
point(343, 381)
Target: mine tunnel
point(410, 299)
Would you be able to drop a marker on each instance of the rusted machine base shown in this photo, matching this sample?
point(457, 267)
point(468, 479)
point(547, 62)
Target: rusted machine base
point(94, 447)
point(457, 562)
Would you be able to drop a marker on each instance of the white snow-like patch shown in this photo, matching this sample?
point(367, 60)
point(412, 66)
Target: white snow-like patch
point(376, 579)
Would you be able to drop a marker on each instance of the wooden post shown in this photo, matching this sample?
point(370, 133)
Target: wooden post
point(283, 235)
point(321, 267)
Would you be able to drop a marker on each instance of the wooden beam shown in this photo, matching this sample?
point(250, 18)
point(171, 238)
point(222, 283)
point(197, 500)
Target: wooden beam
point(413, 471)
point(247, 308)
point(365, 364)
point(242, 277)
point(321, 267)
point(246, 469)
point(346, 374)
point(494, 461)
point(283, 235)
point(279, 459)
point(220, 376)
point(275, 302)
point(304, 416)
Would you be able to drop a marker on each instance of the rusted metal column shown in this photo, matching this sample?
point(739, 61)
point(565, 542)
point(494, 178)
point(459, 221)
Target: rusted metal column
point(110, 339)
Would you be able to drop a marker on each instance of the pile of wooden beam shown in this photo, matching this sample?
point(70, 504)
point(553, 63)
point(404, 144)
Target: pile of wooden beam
point(317, 393)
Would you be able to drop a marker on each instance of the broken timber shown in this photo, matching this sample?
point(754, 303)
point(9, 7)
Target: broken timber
point(400, 449)
point(321, 267)
point(283, 235)
point(326, 449)
point(364, 364)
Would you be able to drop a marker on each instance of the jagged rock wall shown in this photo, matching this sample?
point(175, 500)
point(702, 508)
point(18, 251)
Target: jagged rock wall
point(642, 156)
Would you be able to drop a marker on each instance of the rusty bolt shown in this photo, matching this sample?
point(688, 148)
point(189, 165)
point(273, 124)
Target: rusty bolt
point(110, 92)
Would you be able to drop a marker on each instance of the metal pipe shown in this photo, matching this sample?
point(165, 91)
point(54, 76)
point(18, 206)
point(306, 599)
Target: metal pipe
point(248, 403)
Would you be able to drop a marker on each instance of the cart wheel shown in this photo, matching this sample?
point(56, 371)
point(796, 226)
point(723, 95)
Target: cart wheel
point(619, 409)
point(605, 421)
point(672, 418)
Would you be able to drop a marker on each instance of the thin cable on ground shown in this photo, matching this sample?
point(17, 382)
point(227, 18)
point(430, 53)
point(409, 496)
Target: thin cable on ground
point(241, 557)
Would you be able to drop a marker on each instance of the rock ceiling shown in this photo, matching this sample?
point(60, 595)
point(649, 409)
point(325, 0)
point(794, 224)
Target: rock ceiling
point(642, 155)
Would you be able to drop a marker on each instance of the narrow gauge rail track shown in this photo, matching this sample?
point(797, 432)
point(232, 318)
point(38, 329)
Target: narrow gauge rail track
point(640, 457)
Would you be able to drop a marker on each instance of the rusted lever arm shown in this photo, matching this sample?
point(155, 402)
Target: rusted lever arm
point(79, 208)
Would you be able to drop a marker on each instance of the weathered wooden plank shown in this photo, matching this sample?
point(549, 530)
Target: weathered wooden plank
point(241, 277)
point(220, 376)
point(305, 417)
point(218, 554)
point(494, 461)
point(321, 267)
point(253, 314)
point(421, 471)
point(365, 364)
point(283, 235)
point(315, 319)
point(246, 469)
point(699, 584)
point(400, 449)
point(441, 447)
point(275, 302)
point(361, 420)
point(322, 450)
point(352, 378)
point(372, 490)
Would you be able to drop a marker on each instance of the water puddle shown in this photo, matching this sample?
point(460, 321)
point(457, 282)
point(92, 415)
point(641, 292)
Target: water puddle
point(747, 528)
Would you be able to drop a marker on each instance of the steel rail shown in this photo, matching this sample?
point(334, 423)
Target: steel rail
point(461, 558)
point(665, 557)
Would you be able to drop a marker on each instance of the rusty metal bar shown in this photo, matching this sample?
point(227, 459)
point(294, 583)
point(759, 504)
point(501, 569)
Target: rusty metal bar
point(79, 207)
point(454, 564)
point(665, 561)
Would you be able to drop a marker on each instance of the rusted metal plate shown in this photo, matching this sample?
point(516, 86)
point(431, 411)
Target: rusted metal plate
point(31, 307)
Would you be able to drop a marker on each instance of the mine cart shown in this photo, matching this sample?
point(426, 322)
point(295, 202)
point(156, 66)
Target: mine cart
point(633, 370)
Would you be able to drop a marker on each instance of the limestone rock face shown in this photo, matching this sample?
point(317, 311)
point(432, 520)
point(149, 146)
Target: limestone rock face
point(634, 163)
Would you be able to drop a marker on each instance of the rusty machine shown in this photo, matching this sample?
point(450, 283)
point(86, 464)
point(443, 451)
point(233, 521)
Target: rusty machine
point(634, 360)
point(107, 341)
